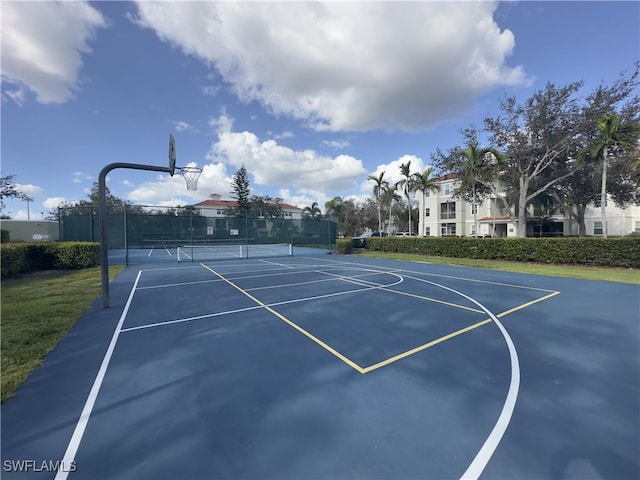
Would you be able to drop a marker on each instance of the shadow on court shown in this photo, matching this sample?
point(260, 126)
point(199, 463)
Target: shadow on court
point(331, 367)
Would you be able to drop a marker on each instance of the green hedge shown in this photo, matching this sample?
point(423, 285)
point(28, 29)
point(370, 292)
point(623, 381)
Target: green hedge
point(19, 258)
point(611, 252)
point(5, 235)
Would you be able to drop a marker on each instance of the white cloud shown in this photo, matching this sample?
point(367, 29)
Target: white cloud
point(165, 190)
point(271, 164)
point(46, 55)
point(337, 144)
point(346, 65)
point(28, 189)
point(81, 177)
point(271, 167)
point(392, 171)
point(53, 202)
point(181, 126)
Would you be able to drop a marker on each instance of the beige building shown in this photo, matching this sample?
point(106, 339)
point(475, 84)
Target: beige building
point(215, 207)
point(443, 215)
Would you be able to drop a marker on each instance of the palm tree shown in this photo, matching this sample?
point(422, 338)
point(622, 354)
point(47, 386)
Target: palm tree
point(408, 185)
point(313, 211)
point(424, 184)
point(474, 160)
point(378, 190)
point(611, 134)
point(388, 197)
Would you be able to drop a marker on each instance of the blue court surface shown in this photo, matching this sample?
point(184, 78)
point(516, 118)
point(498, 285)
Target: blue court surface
point(336, 367)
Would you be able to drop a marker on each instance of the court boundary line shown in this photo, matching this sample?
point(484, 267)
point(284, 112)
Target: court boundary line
point(85, 414)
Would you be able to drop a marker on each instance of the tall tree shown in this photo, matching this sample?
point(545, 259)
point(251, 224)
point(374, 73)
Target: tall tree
point(536, 136)
point(378, 188)
point(389, 198)
point(423, 183)
point(240, 192)
point(407, 184)
point(613, 137)
point(313, 212)
point(576, 192)
point(485, 176)
point(9, 189)
point(265, 206)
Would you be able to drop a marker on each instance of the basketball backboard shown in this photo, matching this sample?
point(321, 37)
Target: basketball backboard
point(172, 155)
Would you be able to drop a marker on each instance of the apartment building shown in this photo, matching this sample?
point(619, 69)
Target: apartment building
point(215, 207)
point(443, 215)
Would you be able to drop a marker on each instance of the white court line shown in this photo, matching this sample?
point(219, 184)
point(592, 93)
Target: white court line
point(337, 262)
point(275, 304)
point(491, 443)
point(76, 438)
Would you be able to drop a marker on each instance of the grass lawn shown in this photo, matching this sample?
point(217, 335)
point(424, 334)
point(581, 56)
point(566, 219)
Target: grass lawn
point(37, 311)
point(622, 275)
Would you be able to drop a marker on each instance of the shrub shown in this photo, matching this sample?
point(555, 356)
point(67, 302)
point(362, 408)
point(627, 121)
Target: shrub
point(612, 252)
point(20, 258)
point(343, 245)
point(13, 259)
point(5, 236)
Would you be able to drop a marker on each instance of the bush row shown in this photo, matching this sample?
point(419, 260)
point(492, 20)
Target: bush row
point(19, 258)
point(611, 252)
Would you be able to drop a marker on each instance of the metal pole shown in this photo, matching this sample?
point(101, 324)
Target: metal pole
point(102, 206)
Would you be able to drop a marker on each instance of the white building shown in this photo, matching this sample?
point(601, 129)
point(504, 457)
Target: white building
point(443, 215)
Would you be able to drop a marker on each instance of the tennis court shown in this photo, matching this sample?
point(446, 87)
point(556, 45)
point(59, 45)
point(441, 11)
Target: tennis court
point(300, 366)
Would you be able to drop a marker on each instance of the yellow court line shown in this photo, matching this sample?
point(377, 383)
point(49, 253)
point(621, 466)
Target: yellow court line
point(454, 334)
point(395, 358)
point(525, 305)
point(331, 350)
point(425, 346)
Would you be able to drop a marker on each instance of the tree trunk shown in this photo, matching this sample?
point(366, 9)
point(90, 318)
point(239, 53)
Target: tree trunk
point(409, 203)
point(582, 227)
point(522, 209)
point(603, 192)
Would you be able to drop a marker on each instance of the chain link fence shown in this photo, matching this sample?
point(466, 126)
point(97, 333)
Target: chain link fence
point(146, 227)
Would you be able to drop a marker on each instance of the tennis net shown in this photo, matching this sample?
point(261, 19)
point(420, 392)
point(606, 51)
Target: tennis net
point(200, 253)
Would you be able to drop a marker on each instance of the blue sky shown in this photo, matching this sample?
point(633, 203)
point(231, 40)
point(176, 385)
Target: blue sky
point(310, 97)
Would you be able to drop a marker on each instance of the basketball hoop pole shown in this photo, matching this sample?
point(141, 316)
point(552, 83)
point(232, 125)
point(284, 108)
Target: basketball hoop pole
point(102, 213)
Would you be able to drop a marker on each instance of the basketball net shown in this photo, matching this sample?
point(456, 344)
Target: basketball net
point(191, 176)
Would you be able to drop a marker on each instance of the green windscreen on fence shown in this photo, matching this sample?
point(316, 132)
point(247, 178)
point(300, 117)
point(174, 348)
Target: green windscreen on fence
point(144, 227)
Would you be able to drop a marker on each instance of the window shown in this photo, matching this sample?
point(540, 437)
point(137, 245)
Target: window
point(447, 229)
point(287, 214)
point(220, 211)
point(637, 227)
point(473, 229)
point(427, 212)
point(427, 231)
point(447, 188)
point(474, 209)
point(448, 210)
point(427, 193)
point(597, 228)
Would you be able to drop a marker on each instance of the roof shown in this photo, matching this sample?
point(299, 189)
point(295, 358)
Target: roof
point(233, 203)
point(448, 176)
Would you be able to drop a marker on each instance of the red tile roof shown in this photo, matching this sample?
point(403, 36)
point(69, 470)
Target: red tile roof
point(233, 203)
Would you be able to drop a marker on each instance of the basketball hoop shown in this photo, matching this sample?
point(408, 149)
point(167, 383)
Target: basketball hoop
point(191, 176)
